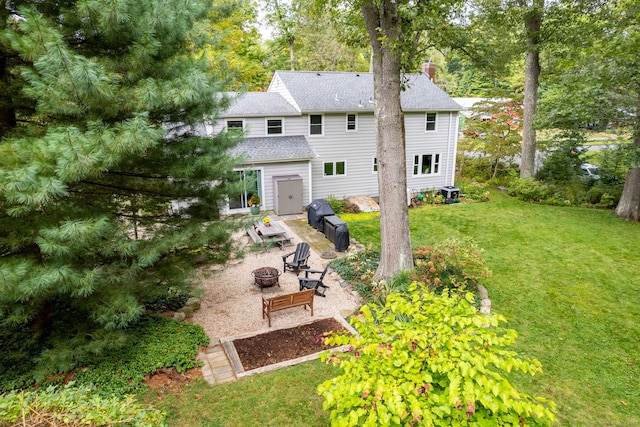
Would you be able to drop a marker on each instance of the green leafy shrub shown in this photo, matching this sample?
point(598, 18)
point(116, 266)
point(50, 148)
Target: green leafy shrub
point(475, 191)
point(397, 284)
point(165, 298)
point(452, 263)
point(358, 268)
point(337, 205)
point(75, 406)
point(156, 342)
point(426, 359)
point(531, 190)
point(562, 165)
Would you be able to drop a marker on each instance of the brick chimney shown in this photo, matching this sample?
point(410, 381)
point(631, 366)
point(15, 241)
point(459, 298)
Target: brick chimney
point(429, 68)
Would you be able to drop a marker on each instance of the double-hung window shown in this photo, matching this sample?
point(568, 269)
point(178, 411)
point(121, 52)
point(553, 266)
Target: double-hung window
point(352, 122)
point(426, 164)
point(315, 124)
point(430, 122)
point(274, 127)
point(334, 168)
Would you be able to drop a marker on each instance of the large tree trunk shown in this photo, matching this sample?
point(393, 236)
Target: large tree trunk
point(533, 22)
point(292, 53)
point(629, 204)
point(395, 238)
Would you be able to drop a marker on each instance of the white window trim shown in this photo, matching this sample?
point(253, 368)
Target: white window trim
point(435, 127)
point(322, 124)
point(335, 175)
point(347, 122)
point(433, 164)
point(266, 125)
point(226, 123)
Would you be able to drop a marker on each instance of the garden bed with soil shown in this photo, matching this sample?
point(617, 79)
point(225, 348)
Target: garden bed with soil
point(282, 347)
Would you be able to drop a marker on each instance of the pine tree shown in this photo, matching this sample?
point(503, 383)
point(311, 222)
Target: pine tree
point(101, 112)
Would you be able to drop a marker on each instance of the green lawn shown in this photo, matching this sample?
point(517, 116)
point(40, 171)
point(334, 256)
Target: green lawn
point(567, 279)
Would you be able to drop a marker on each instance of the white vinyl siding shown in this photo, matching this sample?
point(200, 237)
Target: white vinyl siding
point(269, 170)
point(440, 141)
point(356, 149)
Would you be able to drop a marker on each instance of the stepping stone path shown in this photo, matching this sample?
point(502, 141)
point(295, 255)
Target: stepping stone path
point(216, 368)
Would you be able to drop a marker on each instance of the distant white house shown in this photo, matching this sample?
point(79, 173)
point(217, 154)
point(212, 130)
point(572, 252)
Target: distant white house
point(312, 135)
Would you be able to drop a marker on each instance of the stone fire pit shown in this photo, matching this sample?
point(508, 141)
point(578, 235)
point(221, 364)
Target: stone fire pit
point(266, 277)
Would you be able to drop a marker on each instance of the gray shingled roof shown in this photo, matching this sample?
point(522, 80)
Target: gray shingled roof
point(351, 91)
point(274, 149)
point(260, 104)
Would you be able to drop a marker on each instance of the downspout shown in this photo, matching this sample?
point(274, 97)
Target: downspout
point(310, 175)
point(455, 145)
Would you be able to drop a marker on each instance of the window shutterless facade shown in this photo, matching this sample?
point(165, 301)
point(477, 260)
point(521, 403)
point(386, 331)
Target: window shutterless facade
point(352, 122)
point(430, 122)
point(426, 164)
point(334, 168)
point(275, 127)
point(315, 124)
point(235, 124)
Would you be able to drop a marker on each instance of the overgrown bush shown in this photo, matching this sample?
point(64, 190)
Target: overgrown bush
point(337, 205)
point(452, 263)
point(481, 169)
point(562, 164)
point(74, 406)
point(475, 191)
point(427, 359)
point(358, 268)
point(531, 190)
point(165, 298)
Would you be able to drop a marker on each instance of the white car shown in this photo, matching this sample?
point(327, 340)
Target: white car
point(590, 171)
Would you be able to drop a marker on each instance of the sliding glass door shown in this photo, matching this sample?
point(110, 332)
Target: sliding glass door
point(252, 183)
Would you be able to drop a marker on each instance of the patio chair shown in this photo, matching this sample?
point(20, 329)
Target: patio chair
point(307, 282)
point(300, 257)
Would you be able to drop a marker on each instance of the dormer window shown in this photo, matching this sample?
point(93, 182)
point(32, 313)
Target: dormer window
point(274, 127)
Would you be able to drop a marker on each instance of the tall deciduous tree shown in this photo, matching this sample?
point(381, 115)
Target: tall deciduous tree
point(624, 52)
point(594, 80)
point(237, 44)
point(533, 15)
point(396, 30)
point(99, 110)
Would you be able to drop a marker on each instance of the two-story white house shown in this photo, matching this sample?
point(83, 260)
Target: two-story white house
point(312, 135)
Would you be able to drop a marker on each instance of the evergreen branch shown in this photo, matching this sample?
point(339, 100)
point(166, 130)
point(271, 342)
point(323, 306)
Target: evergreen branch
point(118, 187)
point(138, 175)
